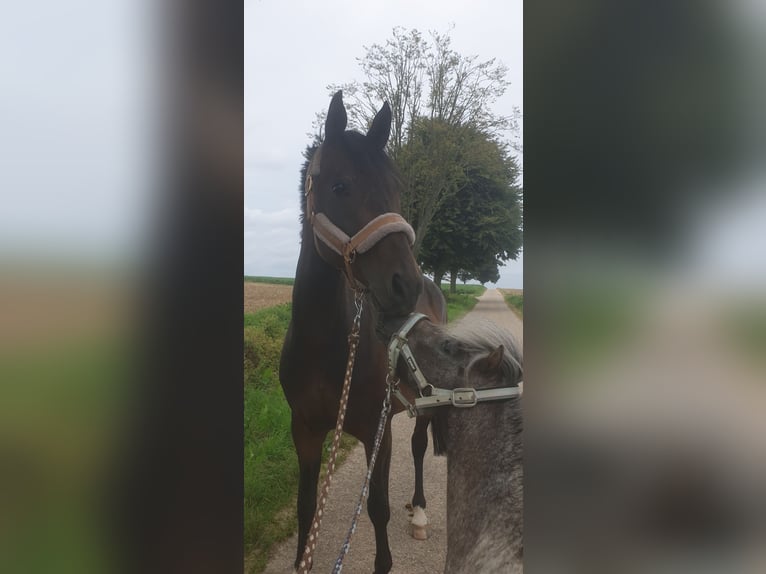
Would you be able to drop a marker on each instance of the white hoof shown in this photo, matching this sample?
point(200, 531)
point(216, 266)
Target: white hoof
point(419, 523)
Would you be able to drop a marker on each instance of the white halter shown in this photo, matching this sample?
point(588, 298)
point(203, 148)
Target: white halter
point(430, 396)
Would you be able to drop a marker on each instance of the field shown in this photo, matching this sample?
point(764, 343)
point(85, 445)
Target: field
point(279, 291)
point(263, 295)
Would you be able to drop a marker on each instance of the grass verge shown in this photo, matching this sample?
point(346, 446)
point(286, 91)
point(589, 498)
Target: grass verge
point(460, 303)
point(61, 414)
point(515, 301)
point(270, 463)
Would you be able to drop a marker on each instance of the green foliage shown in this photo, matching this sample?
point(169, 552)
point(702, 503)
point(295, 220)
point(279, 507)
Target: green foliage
point(271, 280)
point(460, 303)
point(264, 333)
point(431, 165)
point(63, 412)
point(270, 464)
point(477, 227)
point(744, 325)
point(440, 101)
point(515, 301)
point(270, 468)
point(587, 322)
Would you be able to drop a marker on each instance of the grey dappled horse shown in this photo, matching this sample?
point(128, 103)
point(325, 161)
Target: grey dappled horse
point(483, 442)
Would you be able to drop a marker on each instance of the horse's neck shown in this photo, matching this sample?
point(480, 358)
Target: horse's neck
point(484, 491)
point(319, 292)
point(479, 435)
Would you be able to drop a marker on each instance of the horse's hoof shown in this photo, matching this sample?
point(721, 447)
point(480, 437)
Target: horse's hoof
point(419, 523)
point(419, 532)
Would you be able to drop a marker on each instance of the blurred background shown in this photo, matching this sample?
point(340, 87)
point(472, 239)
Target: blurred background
point(120, 287)
point(79, 161)
point(645, 280)
point(120, 221)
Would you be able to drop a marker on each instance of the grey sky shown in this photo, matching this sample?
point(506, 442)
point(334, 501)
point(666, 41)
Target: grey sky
point(74, 158)
point(293, 50)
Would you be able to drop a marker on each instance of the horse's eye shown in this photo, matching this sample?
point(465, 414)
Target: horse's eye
point(446, 347)
point(339, 187)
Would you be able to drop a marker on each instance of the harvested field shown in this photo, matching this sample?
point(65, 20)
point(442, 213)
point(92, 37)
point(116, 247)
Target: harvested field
point(512, 291)
point(262, 295)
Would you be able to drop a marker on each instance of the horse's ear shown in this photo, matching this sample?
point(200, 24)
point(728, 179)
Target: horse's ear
point(381, 127)
point(495, 360)
point(336, 121)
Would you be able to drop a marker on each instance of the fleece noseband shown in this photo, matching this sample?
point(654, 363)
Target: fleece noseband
point(337, 240)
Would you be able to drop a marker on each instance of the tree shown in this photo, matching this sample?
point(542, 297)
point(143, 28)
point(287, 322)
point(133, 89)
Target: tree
point(426, 80)
point(478, 227)
point(432, 167)
point(441, 101)
point(394, 73)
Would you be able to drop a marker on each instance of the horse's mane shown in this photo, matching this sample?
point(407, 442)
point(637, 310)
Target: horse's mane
point(481, 338)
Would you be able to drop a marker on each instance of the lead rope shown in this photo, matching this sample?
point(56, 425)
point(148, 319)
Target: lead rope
point(353, 339)
point(365, 487)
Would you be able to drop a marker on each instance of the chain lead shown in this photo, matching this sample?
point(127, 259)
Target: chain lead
point(338, 568)
point(307, 557)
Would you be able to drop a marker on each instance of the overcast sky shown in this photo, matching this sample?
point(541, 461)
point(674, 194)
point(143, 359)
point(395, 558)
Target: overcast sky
point(293, 50)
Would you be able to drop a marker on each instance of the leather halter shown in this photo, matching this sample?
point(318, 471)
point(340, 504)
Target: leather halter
point(337, 240)
point(430, 396)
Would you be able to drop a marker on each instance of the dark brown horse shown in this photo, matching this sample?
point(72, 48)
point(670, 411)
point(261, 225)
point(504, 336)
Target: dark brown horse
point(349, 182)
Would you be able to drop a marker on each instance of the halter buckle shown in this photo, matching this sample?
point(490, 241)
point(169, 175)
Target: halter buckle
point(464, 398)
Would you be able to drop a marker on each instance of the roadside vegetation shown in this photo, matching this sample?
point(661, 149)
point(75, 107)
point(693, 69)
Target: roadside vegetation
point(514, 298)
point(270, 465)
point(270, 280)
point(459, 303)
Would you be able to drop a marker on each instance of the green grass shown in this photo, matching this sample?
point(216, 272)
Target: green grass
point(744, 325)
point(270, 464)
point(61, 412)
point(515, 302)
point(588, 323)
point(272, 280)
point(460, 303)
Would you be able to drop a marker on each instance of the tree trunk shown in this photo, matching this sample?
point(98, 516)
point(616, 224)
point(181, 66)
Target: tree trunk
point(438, 277)
point(453, 282)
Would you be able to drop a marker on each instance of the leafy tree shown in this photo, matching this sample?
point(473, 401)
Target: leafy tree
point(432, 167)
point(446, 140)
point(426, 79)
point(478, 227)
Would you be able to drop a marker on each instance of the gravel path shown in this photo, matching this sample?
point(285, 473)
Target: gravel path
point(410, 556)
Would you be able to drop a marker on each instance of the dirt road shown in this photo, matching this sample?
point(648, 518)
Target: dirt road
point(410, 556)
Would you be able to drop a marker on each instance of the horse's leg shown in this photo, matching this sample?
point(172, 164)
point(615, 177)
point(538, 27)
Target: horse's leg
point(419, 446)
point(308, 446)
point(377, 503)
